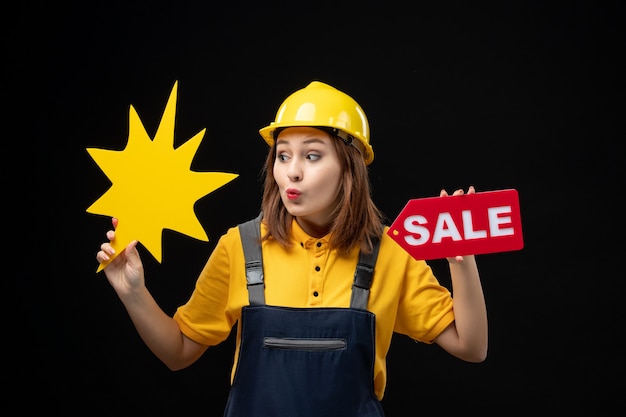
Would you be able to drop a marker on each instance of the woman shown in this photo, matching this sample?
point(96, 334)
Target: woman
point(314, 324)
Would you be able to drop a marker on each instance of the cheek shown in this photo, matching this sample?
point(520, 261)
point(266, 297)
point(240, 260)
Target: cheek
point(277, 173)
point(332, 181)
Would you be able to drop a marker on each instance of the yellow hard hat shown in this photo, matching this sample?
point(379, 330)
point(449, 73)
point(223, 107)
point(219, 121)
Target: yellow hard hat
point(320, 105)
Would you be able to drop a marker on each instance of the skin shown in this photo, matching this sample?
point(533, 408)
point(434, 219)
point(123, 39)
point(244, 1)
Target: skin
point(466, 338)
point(308, 174)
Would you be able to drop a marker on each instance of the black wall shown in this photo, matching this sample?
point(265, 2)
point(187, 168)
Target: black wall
point(525, 95)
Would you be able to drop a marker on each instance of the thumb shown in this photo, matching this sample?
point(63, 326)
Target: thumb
point(132, 255)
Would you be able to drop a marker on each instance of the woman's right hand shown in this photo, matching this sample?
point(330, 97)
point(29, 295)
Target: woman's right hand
point(125, 271)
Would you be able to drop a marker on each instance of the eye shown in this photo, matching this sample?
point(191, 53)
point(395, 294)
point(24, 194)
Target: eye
point(282, 157)
point(313, 156)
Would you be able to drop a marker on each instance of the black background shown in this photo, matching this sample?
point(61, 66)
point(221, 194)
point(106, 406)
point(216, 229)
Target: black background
point(525, 95)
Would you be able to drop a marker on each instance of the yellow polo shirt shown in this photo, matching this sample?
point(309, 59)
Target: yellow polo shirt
point(405, 295)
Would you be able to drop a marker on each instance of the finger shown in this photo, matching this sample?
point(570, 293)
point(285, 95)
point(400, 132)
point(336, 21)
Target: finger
point(107, 249)
point(132, 255)
point(471, 190)
point(115, 220)
point(103, 256)
point(443, 193)
point(458, 192)
point(111, 235)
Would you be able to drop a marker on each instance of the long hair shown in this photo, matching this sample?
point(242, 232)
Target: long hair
point(356, 219)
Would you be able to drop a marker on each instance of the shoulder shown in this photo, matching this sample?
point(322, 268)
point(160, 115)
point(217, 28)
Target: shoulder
point(390, 247)
point(229, 247)
point(391, 253)
point(232, 237)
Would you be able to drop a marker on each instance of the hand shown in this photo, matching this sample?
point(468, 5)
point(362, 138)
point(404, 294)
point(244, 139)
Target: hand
point(444, 193)
point(125, 271)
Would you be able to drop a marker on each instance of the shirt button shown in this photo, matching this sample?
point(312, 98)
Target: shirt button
point(319, 244)
point(315, 294)
point(317, 268)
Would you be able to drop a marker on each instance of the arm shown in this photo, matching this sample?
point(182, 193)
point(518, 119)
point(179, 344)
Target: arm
point(159, 331)
point(466, 338)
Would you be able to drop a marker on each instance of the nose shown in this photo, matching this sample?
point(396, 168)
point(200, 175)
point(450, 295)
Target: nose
point(294, 172)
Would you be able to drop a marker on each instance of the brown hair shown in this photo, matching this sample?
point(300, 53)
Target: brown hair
point(357, 220)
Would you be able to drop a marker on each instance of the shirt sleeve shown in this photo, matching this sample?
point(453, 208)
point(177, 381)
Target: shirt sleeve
point(207, 316)
point(425, 305)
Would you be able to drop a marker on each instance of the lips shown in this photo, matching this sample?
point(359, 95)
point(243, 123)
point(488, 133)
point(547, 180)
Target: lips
point(292, 194)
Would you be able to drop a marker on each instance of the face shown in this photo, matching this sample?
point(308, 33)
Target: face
point(308, 174)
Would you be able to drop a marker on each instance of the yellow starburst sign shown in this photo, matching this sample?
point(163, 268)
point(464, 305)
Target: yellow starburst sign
point(153, 187)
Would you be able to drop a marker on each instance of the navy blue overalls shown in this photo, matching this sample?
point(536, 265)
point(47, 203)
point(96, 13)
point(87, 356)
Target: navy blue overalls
point(304, 362)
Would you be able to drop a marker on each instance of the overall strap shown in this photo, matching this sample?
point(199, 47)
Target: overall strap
point(363, 278)
point(251, 240)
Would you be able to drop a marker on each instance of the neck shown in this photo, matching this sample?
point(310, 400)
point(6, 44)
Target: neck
point(313, 229)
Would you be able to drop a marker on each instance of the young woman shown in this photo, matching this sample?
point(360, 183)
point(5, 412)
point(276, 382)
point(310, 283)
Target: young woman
point(314, 319)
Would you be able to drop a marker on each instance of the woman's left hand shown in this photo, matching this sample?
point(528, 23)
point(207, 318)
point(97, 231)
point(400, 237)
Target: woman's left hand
point(460, 191)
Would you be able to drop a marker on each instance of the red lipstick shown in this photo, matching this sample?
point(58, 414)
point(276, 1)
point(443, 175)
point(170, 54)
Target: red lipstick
point(292, 193)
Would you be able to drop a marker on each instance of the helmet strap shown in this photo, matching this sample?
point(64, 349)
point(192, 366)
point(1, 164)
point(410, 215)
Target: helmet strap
point(349, 140)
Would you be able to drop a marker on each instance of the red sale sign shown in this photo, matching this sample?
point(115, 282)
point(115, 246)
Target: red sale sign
point(469, 224)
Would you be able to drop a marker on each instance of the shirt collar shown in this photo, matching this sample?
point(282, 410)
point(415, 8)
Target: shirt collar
point(300, 236)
